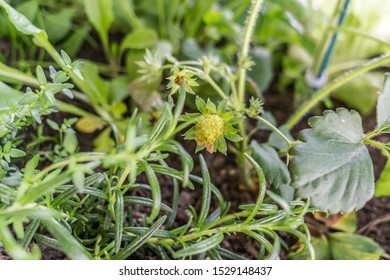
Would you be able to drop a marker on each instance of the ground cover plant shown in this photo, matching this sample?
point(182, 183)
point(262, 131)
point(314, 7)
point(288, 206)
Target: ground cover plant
point(131, 132)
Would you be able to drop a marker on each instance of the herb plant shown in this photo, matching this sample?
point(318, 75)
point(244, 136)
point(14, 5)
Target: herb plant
point(84, 203)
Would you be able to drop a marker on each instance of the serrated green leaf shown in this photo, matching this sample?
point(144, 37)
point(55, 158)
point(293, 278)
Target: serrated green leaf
point(200, 247)
point(349, 246)
point(275, 169)
point(332, 165)
point(383, 106)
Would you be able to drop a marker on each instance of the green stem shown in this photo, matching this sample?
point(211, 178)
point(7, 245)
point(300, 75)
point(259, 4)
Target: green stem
point(327, 90)
point(360, 33)
point(275, 129)
point(251, 22)
point(16, 77)
point(375, 144)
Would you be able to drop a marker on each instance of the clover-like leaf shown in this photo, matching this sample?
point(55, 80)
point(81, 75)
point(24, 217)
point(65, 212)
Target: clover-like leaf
point(332, 165)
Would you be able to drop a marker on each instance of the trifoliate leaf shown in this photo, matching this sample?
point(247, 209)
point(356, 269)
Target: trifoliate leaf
point(332, 165)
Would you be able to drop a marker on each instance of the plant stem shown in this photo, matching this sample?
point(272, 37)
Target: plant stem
point(242, 147)
point(275, 129)
point(250, 25)
point(327, 90)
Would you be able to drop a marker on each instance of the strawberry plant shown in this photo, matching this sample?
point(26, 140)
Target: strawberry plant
point(158, 95)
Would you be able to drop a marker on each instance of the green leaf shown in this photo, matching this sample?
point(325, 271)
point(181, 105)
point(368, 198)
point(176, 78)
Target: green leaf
point(382, 187)
point(100, 14)
point(349, 246)
point(383, 107)
point(140, 39)
point(275, 140)
point(147, 202)
point(200, 247)
point(262, 72)
point(321, 248)
point(360, 94)
point(155, 189)
point(78, 178)
point(50, 97)
point(201, 105)
point(347, 223)
point(221, 145)
point(139, 241)
point(58, 25)
point(119, 219)
point(70, 141)
point(41, 75)
point(28, 98)
point(20, 22)
point(275, 169)
point(13, 248)
point(8, 94)
point(262, 187)
point(16, 153)
point(332, 165)
point(69, 245)
point(53, 125)
point(206, 193)
point(65, 57)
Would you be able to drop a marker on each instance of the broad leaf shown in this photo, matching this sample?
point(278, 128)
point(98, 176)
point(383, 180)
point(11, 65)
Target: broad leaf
point(349, 246)
point(101, 15)
point(140, 39)
point(332, 165)
point(383, 107)
point(275, 169)
point(261, 72)
point(20, 22)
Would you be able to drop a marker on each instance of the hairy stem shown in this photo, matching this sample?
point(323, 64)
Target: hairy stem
point(327, 90)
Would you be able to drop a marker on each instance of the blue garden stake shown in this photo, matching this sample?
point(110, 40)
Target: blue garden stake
point(317, 80)
point(332, 44)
